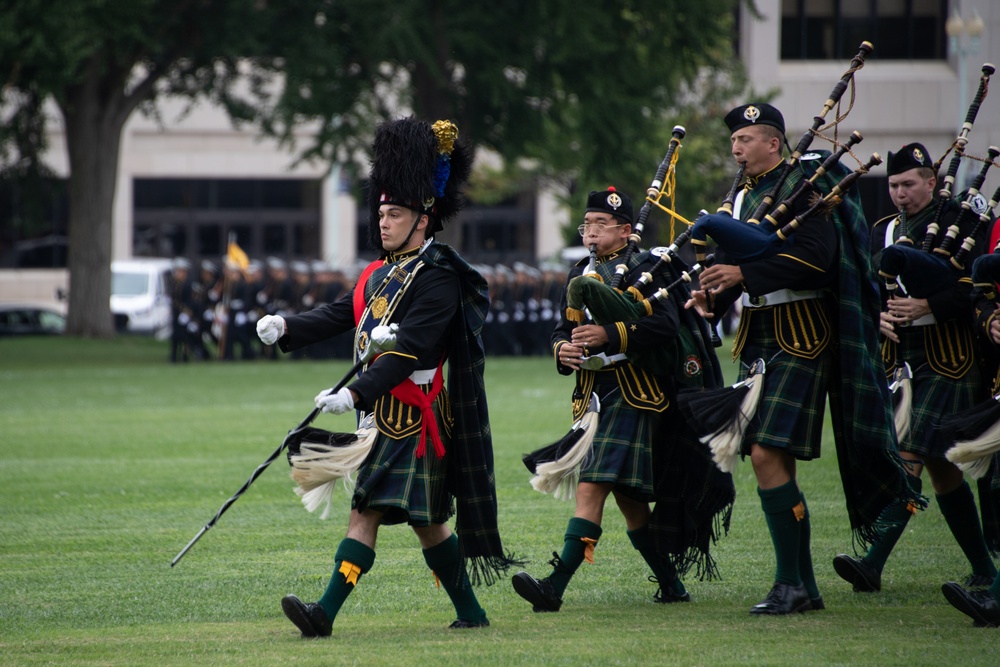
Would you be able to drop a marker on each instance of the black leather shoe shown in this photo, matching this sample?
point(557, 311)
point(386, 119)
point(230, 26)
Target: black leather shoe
point(310, 617)
point(980, 605)
point(784, 599)
point(816, 604)
point(864, 577)
point(669, 594)
point(461, 624)
point(538, 592)
point(978, 581)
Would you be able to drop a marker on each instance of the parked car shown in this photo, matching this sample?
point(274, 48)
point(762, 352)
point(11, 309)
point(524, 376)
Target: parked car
point(140, 301)
point(30, 319)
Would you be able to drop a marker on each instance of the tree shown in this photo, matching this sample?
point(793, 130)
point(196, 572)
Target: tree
point(580, 87)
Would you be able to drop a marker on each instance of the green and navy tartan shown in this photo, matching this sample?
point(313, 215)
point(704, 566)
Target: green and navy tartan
point(934, 396)
point(470, 476)
point(860, 403)
point(790, 413)
point(407, 489)
point(621, 454)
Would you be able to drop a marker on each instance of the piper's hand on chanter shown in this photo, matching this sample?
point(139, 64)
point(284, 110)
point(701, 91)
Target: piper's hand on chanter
point(887, 327)
point(590, 336)
point(720, 277)
point(995, 332)
point(571, 355)
point(906, 309)
point(699, 301)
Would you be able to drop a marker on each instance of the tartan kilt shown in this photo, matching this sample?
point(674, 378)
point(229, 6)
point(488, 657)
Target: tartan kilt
point(622, 450)
point(934, 396)
point(407, 489)
point(792, 405)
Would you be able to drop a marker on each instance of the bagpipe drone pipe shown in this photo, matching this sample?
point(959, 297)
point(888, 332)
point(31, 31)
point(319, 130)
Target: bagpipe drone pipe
point(761, 235)
point(924, 270)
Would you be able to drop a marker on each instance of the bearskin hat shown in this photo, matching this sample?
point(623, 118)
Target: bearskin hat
point(420, 166)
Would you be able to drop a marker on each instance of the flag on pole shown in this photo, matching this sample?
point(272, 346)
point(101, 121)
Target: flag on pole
point(236, 255)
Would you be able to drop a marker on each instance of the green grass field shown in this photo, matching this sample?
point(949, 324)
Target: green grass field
point(112, 459)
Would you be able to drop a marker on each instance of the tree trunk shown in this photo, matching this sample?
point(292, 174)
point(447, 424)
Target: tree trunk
point(94, 117)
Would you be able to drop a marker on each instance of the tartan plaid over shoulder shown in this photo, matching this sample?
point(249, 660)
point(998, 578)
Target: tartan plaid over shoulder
point(860, 401)
point(470, 476)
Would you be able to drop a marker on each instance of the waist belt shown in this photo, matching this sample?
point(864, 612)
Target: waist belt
point(599, 361)
point(922, 321)
point(779, 297)
point(423, 376)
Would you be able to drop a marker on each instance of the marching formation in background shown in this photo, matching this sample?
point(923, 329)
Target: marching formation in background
point(895, 326)
point(206, 325)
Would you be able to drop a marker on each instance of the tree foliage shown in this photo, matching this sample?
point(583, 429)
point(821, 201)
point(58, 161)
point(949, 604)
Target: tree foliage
point(580, 88)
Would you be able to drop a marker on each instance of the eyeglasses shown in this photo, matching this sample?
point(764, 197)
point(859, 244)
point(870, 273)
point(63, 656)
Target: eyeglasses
point(598, 227)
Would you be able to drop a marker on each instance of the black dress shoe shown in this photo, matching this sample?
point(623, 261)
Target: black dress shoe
point(980, 605)
point(784, 599)
point(538, 592)
point(461, 624)
point(669, 594)
point(817, 604)
point(864, 577)
point(310, 617)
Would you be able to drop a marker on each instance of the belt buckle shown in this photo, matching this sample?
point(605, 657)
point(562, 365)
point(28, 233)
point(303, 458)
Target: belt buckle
point(758, 301)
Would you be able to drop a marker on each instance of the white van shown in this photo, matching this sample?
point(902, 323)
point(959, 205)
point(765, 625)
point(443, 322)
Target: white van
point(140, 301)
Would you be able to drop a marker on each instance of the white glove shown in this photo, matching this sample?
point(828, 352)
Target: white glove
point(337, 403)
point(270, 328)
point(384, 337)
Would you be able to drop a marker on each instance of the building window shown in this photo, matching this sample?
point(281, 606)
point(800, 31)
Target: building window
point(833, 29)
point(195, 217)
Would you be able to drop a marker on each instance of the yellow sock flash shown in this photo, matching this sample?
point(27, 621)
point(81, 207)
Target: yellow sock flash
point(588, 551)
point(350, 572)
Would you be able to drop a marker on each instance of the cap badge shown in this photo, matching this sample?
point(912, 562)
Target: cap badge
point(614, 200)
point(918, 155)
point(751, 113)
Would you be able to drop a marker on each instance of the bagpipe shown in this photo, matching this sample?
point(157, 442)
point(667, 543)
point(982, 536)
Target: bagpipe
point(720, 417)
point(556, 467)
point(925, 268)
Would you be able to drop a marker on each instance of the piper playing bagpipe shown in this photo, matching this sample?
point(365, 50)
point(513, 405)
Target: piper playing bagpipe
point(432, 455)
point(926, 328)
point(810, 313)
point(628, 441)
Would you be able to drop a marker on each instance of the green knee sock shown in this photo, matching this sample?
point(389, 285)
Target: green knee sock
point(353, 559)
point(663, 569)
point(959, 510)
point(894, 520)
point(778, 504)
point(446, 562)
point(995, 588)
point(805, 551)
point(574, 549)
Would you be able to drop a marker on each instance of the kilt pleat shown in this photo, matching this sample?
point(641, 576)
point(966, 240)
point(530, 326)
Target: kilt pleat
point(934, 396)
point(791, 409)
point(622, 449)
point(406, 489)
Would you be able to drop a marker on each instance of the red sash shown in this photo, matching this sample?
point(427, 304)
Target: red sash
point(359, 289)
point(410, 394)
